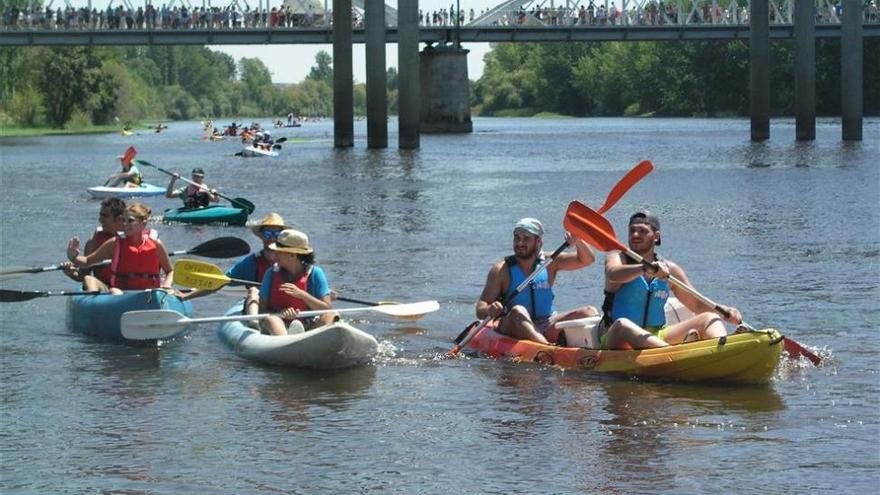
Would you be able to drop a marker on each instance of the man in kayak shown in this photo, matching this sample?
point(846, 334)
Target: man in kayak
point(294, 284)
point(130, 176)
point(635, 296)
point(530, 315)
point(253, 266)
point(110, 223)
point(193, 196)
point(138, 256)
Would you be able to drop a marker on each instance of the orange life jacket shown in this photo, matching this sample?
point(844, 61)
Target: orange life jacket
point(279, 300)
point(263, 264)
point(99, 238)
point(136, 266)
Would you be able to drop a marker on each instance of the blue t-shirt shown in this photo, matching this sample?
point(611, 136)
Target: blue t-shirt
point(245, 269)
point(317, 284)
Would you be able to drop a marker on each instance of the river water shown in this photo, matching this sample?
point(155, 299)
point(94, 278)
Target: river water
point(787, 232)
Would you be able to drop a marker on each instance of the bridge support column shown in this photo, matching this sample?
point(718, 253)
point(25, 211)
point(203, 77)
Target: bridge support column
point(408, 73)
point(377, 94)
point(805, 70)
point(759, 60)
point(445, 90)
point(343, 78)
point(851, 70)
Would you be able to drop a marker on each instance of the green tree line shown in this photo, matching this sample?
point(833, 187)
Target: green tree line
point(656, 78)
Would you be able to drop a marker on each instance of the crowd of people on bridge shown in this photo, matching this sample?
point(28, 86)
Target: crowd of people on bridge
point(586, 13)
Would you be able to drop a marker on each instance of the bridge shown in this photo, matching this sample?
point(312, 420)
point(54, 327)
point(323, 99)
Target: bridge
point(425, 79)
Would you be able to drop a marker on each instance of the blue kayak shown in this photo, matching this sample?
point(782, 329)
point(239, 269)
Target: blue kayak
point(144, 190)
point(99, 315)
point(210, 214)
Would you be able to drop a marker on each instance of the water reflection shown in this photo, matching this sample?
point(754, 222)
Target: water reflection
point(520, 407)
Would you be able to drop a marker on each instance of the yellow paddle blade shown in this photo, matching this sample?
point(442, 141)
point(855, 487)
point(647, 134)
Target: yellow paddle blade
point(199, 275)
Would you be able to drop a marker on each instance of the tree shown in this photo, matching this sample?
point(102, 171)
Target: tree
point(323, 68)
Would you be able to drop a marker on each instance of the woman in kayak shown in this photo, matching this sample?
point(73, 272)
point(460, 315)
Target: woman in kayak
point(130, 176)
point(635, 297)
point(137, 256)
point(193, 196)
point(294, 284)
point(110, 223)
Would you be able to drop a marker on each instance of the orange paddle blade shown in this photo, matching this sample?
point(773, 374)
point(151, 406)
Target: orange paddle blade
point(625, 184)
point(129, 155)
point(585, 223)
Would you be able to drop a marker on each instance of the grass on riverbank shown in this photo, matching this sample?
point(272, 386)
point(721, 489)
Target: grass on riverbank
point(6, 131)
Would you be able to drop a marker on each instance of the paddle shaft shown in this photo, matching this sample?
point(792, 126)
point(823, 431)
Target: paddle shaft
point(23, 295)
point(521, 287)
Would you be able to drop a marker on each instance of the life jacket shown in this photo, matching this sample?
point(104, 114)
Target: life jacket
point(640, 301)
point(136, 266)
point(99, 238)
point(279, 300)
point(196, 197)
point(537, 298)
point(263, 264)
point(137, 178)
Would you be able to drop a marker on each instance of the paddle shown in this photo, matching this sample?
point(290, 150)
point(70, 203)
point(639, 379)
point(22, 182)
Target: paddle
point(633, 176)
point(221, 247)
point(237, 202)
point(161, 324)
point(27, 295)
point(593, 228)
point(207, 276)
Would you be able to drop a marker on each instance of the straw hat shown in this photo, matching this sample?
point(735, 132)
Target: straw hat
point(292, 241)
point(271, 220)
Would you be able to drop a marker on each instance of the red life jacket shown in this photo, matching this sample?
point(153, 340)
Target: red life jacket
point(103, 274)
point(279, 300)
point(136, 266)
point(262, 265)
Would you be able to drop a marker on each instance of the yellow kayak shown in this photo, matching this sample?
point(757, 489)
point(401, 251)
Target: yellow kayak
point(747, 357)
point(126, 133)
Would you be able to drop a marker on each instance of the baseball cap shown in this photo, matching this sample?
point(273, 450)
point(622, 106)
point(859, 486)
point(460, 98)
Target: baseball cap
point(530, 225)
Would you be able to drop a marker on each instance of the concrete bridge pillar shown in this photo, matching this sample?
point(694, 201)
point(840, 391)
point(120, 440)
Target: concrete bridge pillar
point(377, 94)
point(408, 73)
point(759, 60)
point(445, 88)
point(805, 70)
point(851, 70)
point(343, 78)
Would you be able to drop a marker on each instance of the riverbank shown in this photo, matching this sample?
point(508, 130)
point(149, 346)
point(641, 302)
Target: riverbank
point(49, 131)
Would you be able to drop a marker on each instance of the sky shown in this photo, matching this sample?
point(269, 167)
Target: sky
point(291, 63)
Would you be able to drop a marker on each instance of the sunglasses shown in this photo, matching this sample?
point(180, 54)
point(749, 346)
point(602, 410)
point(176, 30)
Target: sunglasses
point(270, 234)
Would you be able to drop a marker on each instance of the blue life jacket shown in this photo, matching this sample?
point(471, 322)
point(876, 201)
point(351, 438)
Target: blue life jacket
point(537, 298)
point(640, 301)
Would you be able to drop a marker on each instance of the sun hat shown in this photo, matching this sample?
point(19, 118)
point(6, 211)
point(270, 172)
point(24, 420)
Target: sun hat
point(198, 171)
point(647, 218)
point(271, 220)
point(292, 241)
point(531, 226)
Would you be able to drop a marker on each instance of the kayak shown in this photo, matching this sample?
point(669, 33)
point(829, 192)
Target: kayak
point(749, 357)
point(141, 191)
point(126, 133)
point(338, 345)
point(209, 214)
point(251, 151)
point(99, 315)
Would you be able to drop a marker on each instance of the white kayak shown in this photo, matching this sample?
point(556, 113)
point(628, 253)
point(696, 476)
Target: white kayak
point(338, 345)
point(143, 190)
point(251, 152)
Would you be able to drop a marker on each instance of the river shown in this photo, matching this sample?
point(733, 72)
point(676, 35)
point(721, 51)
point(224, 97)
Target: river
point(787, 232)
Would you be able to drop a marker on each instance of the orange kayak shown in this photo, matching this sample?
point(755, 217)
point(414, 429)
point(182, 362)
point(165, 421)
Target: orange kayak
point(741, 358)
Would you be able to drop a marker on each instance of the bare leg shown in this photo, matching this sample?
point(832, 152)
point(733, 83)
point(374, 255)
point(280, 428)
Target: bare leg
point(623, 333)
point(92, 284)
point(519, 325)
point(708, 325)
point(273, 325)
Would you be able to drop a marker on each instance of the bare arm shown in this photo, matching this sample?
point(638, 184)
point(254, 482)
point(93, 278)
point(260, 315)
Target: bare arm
point(488, 304)
point(165, 264)
point(169, 191)
point(105, 252)
point(617, 273)
point(581, 258)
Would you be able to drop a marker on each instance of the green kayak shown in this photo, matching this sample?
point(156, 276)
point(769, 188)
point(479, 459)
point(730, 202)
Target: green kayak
point(209, 214)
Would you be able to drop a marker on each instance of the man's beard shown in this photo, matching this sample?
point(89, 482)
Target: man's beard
point(524, 255)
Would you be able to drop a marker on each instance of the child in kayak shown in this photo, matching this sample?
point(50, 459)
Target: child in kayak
point(130, 176)
point(193, 196)
point(137, 256)
point(294, 284)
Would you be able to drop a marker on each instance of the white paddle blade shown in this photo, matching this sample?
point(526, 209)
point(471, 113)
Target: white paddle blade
point(153, 324)
point(411, 310)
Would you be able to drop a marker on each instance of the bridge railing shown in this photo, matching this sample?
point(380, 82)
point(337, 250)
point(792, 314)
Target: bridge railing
point(538, 13)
